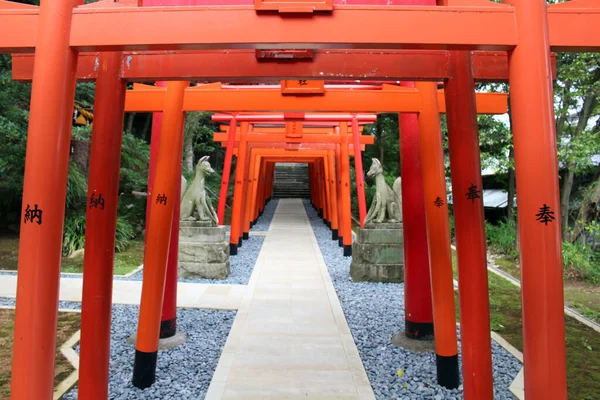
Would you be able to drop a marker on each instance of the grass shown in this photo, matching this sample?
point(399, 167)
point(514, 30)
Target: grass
point(68, 324)
point(582, 296)
point(583, 343)
point(125, 261)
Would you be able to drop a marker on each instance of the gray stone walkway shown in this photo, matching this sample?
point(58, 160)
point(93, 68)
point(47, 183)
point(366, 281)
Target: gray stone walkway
point(290, 338)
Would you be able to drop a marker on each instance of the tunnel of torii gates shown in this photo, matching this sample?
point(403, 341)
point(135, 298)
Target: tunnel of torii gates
point(428, 41)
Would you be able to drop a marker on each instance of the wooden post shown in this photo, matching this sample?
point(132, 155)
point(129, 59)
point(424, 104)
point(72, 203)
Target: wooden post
point(43, 208)
point(418, 314)
point(536, 166)
point(100, 227)
point(438, 235)
point(467, 196)
point(159, 234)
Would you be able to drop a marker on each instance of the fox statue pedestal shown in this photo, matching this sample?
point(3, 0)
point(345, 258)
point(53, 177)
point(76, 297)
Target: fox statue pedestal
point(378, 253)
point(203, 250)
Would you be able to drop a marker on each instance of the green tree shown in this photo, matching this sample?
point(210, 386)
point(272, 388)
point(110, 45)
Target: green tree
point(576, 92)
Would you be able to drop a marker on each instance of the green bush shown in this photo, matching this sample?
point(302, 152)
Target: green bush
point(135, 158)
point(76, 188)
point(501, 237)
point(74, 234)
point(580, 262)
point(125, 234)
point(132, 210)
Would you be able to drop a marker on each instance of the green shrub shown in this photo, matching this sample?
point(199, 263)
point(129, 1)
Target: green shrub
point(501, 237)
point(135, 158)
point(74, 234)
point(579, 262)
point(125, 234)
point(76, 188)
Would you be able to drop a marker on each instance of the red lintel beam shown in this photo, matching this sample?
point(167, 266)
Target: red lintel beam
point(281, 129)
point(214, 27)
point(326, 119)
point(392, 100)
point(487, 27)
point(242, 65)
point(279, 138)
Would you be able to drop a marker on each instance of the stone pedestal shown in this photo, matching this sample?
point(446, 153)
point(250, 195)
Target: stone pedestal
point(378, 253)
point(203, 250)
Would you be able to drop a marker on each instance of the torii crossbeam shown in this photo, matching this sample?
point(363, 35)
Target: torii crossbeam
point(527, 29)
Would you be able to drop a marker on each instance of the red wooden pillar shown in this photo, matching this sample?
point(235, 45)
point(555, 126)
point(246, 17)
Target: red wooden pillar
point(168, 322)
point(465, 166)
point(238, 192)
point(438, 235)
point(418, 314)
point(327, 206)
point(322, 195)
point(338, 172)
point(250, 191)
point(168, 325)
point(360, 178)
point(158, 236)
point(245, 226)
point(313, 190)
point(530, 78)
point(43, 208)
point(334, 197)
point(258, 198)
point(101, 223)
point(270, 180)
point(226, 171)
point(346, 192)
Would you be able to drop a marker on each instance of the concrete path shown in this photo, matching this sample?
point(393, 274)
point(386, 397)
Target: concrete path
point(290, 338)
point(189, 295)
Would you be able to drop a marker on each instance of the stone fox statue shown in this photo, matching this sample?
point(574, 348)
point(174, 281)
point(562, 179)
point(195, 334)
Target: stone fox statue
point(386, 200)
point(195, 196)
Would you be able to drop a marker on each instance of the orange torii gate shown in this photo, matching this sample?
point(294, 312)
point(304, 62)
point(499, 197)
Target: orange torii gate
point(456, 25)
point(294, 134)
point(486, 103)
point(292, 137)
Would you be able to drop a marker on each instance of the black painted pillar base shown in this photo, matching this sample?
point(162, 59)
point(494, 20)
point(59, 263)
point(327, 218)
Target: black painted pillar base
point(233, 249)
point(328, 224)
point(240, 242)
point(144, 369)
point(334, 234)
point(447, 371)
point(168, 328)
point(341, 241)
point(418, 330)
point(246, 235)
point(347, 250)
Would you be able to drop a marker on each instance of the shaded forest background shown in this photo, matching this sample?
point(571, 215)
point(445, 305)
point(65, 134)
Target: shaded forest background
point(577, 88)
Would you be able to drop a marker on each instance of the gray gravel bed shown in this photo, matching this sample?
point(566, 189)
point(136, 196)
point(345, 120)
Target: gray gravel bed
point(264, 221)
point(375, 312)
point(184, 372)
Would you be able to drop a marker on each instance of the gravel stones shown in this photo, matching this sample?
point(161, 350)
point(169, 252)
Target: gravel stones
point(375, 312)
point(183, 372)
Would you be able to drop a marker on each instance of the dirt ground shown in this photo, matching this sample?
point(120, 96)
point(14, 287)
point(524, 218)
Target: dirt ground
point(68, 324)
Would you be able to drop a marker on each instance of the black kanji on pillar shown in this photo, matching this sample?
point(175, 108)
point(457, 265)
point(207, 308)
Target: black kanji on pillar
point(33, 213)
point(473, 193)
point(161, 199)
point(545, 215)
point(97, 202)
